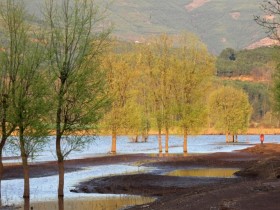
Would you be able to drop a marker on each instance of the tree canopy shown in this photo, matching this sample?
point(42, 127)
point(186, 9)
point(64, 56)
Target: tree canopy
point(230, 110)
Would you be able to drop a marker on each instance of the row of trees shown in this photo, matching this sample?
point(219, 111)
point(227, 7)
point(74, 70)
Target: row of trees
point(166, 83)
point(50, 78)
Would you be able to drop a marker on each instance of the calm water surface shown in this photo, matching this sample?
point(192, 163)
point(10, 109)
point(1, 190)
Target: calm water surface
point(100, 146)
point(105, 203)
point(205, 172)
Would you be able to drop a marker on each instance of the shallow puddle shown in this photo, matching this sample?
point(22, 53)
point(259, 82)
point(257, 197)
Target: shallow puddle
point(105, 203)
point(205, 172)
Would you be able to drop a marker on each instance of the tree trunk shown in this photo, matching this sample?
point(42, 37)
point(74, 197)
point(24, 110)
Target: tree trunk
point(60, 163)
point(26, 203)
point(145, 137)
point(26, 192)
point(24, 158)
point(227, 136)
point(114, 141)
point(61, 178)
point(1, 171)
point(59, 133)
point(166, 139)
point(4, 137)
point(159, 141)
point(185, 141)
point(60, 203)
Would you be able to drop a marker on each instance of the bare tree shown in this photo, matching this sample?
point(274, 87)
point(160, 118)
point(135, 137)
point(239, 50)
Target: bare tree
point(270, 19)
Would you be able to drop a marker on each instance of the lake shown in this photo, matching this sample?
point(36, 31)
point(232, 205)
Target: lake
point(101, 146)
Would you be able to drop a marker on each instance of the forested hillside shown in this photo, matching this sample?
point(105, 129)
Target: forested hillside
point(252, 70)
point(219, 23)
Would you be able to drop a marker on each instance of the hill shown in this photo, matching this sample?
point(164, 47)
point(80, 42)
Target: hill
point(219, 23)
point(252, 71)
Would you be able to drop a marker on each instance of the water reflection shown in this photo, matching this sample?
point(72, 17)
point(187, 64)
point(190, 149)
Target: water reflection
point(27, 204)
point(61, 203)
point(109, 203)
point(205, 172)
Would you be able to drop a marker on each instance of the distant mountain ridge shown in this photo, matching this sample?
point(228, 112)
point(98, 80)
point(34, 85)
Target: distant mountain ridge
point(219, 23)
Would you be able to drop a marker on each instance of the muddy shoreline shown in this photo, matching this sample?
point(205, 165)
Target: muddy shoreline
point(258, 185)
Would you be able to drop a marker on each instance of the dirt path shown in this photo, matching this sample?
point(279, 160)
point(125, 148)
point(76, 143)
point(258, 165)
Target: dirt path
point(50, 168)
point(196, 4)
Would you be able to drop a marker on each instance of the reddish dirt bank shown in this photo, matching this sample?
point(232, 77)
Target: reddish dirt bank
point(257, 188)
point(50, 168)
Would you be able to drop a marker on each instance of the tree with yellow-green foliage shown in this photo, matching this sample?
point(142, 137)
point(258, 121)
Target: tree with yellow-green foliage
point(160, 84)
point(151, 79)
point(191, 78)
point(120, 76)
point(230, 111)
point(158, 60)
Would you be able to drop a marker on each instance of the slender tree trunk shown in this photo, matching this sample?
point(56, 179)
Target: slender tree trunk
point(60, 163)
point(159, 141)
point(24, 158)
point(185, 141)
point(1, 162)
point(227, 136)
point(60, 203)
point(3, 138)
point(114, 141)
point(166, 139)
point(144, 137)
point(1, 174)
point(26, 193)
point(59, 133)
point(26, 203)
point(60, 178)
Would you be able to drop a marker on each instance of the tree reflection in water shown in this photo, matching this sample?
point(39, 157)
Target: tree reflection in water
point(60, 203)
point(88, 203)
point(27, 204)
